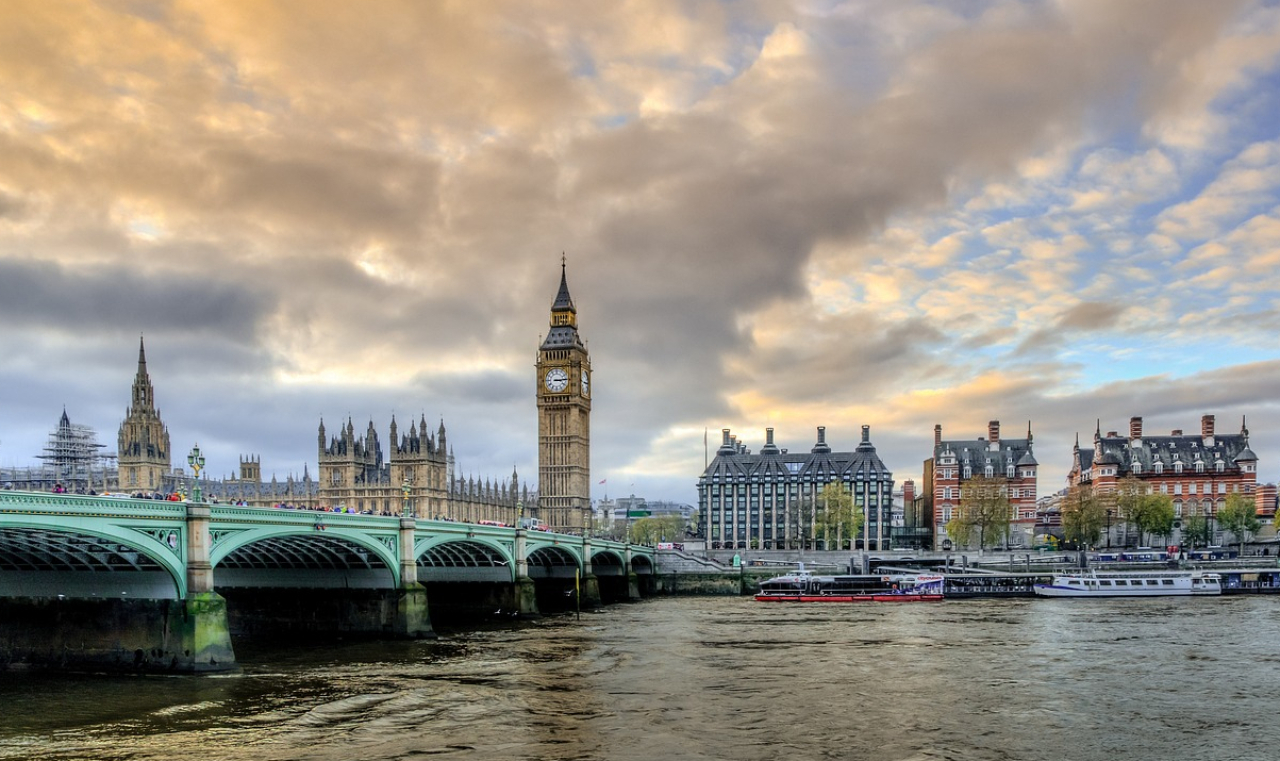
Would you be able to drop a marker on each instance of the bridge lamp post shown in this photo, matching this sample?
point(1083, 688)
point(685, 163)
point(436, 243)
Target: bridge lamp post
point(405, 490)
point(196, 461)
point(520, 513)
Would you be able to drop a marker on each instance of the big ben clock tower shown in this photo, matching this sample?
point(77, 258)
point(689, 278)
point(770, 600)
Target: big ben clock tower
point(564, 420)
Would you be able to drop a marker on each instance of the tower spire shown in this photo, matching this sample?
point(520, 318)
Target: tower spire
point(563, 302)
point(143, 393)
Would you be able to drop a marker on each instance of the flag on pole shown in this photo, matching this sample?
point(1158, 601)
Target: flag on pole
point(603, 480)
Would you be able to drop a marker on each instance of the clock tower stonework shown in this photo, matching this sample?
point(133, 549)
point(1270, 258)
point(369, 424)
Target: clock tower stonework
point(564, 420)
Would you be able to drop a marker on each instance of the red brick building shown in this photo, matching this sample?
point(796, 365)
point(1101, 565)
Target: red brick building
point(955, 462)
point(1197, 472)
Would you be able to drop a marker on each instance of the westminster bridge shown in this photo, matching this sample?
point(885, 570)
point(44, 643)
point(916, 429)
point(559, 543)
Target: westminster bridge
point(112, 582)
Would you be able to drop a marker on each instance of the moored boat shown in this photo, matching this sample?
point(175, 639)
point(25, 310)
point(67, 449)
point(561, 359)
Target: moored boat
point(802, 586)
point(1153, 584)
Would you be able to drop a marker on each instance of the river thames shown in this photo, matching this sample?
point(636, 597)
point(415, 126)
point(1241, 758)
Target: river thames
point(713, 678)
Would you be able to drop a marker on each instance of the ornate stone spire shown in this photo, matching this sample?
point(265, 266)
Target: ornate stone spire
point(143, 393)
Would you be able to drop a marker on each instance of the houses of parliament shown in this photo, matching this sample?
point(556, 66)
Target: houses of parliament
point(415, 473)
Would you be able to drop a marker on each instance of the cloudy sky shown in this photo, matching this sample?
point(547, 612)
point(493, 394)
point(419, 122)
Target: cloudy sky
point(784, 214)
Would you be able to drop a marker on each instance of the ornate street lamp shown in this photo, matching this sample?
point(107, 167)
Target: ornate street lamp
point(520, 513)
point(196, 460)
point(405, 490)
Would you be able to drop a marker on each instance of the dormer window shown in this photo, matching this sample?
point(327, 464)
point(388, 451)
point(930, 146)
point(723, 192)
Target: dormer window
point(989, 471)
point(1177, 466)
point(1220, 466)
point(968, 472)
point(1137, 468)
point(1159, 466)
point(1199, 466)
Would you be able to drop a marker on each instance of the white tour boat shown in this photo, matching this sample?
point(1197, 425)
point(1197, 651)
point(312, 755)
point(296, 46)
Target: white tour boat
point(1153, 584)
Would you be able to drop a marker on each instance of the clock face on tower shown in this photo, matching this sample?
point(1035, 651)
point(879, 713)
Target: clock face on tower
point(557, 380)
point(585, 391)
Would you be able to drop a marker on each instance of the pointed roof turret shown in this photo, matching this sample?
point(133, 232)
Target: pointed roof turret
point(563, 300)
point(143, 393)
point(564, 317)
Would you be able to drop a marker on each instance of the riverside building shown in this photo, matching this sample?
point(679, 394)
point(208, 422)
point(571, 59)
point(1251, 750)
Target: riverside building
point(1010, 462)
point(771, 500)
point(1197, 472)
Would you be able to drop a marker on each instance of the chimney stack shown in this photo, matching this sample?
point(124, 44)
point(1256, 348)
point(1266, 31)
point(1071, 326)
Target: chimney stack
point(937, 435)
point(1176, 432)
point(1135, 427)
point(769, 446)
point(1206, 425)
point(993, 431)
point(908, 493)
point(821, 447)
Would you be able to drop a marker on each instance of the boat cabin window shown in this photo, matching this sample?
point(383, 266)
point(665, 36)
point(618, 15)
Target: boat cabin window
point(1074, 581)
point(1105, 582)
point(1167, 582)
point(1153, 583)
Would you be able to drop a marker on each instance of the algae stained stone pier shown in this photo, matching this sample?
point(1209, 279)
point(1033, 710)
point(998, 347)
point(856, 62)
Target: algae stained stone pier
point(105, 583)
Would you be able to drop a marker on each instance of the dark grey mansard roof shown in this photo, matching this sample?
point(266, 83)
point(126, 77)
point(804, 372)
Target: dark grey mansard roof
point(1231, 448)
point(977, 453)
point(817, 466)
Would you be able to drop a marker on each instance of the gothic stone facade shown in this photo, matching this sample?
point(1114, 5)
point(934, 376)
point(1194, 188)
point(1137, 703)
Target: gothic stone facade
point(417, 476)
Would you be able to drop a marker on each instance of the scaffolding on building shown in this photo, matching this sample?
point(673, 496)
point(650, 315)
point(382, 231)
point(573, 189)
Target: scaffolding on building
point(73, 460)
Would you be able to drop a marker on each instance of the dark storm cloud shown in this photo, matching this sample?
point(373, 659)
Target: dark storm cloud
point(50, 296)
